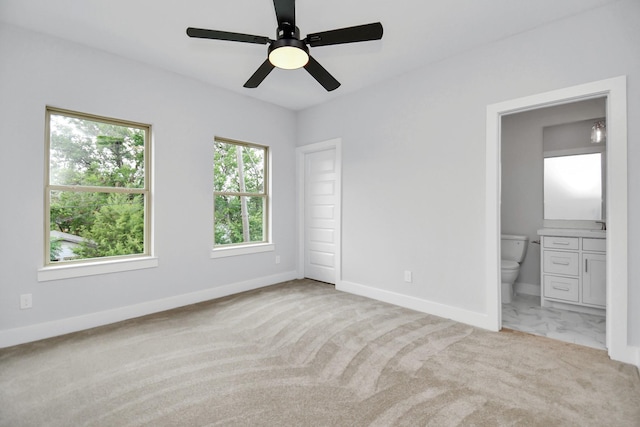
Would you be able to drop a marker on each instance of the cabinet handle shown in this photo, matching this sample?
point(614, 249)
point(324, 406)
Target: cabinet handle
point(560, 288)
point(559, 261)
point(586, 265)
point(560, 243)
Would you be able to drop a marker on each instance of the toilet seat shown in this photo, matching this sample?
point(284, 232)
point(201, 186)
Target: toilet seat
point(509, 265)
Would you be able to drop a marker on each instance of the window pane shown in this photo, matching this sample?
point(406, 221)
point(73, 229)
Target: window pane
point(92, 153)
point(238, 168)
point(231, 226)
point(94, 225)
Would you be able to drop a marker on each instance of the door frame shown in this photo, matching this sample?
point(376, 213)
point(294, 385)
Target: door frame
point(615, 91)
point(301, 153)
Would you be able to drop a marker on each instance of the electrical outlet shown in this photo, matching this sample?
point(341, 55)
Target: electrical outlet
point(408, 276)
point(277, 259)
point(26, 301)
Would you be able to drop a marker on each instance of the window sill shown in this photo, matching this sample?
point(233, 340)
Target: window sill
point(242, 250)
point(58, 272)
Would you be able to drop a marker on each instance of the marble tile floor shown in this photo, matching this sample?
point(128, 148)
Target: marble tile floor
point(525, 314)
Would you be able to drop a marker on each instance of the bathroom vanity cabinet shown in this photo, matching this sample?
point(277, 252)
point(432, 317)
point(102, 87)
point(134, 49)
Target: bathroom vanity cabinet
point(573, 269)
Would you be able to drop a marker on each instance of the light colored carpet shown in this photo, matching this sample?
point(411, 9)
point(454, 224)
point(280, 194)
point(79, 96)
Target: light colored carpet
point(302, 354)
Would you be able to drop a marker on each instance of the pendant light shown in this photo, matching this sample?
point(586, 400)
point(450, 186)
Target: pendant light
point(598, 132)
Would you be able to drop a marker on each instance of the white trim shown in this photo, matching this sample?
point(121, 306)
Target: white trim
point(11, 337)
point(300, 172)
point(242, 250)
point(436, 309)
point(103, 266)
point(615, 91)
point(493, 281)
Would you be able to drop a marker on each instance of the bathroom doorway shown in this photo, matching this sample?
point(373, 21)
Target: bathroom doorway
point(614, 90)
point(530, 142)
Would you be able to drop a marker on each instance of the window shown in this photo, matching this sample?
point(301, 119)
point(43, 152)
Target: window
point(97, 188)
point(240, 193)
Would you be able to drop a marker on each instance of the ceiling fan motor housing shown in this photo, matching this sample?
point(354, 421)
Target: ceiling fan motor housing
point(288, 43)
point(287, 31)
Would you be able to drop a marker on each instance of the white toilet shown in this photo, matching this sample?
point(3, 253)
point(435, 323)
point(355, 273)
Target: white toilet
point(512, 252)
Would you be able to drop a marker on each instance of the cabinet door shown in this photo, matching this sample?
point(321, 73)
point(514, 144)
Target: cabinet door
point(594, 279)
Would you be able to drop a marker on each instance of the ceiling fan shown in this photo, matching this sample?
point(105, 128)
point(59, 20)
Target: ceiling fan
point(288, 51)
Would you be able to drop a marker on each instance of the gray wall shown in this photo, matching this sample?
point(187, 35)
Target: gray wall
point(522, 172)
point(414, 154)
point(185, 115)
point(413, 164)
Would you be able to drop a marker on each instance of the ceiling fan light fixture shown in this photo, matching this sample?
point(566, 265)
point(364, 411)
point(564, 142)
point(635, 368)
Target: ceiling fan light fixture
point(288, 54)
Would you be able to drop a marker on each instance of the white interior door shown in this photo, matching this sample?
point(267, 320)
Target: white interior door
point(321, 215)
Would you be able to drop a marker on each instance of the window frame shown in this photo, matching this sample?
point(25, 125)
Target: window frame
point(242, 248)
point(53, 270)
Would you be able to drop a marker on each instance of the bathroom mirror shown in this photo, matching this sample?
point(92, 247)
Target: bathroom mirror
point(573, 187)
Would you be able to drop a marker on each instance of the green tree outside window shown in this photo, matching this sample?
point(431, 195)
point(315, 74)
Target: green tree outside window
point(240, 196)
point(97, 185)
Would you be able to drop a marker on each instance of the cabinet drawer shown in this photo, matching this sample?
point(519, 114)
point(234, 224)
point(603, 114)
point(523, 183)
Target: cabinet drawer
point(564, 288)
point(554, 242)
point(561, 262)
point(597, 245)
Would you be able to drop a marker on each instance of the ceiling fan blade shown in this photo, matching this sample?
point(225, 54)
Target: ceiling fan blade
point(285, 11)
point(359, 33)
point(321, 75)
point(226, 35)
point(261, 73)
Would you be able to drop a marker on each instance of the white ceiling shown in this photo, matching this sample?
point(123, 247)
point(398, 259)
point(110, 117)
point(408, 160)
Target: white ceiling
point(416, 33)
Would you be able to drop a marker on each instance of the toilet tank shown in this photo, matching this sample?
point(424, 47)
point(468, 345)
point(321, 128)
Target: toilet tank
point(513, 247)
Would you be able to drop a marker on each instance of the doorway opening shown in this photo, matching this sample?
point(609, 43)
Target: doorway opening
point(616, 244)
point(550, 168)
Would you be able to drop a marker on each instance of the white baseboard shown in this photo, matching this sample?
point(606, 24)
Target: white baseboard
point(472, 318)
point(11, 337)
point(527, 289)
point(628, 354)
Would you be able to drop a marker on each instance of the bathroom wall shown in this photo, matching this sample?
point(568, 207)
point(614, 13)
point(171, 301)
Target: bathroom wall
point(570, 136)
point(522, 171)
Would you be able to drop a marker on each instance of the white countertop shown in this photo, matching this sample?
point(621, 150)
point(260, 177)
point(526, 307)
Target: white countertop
point(573, 232)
